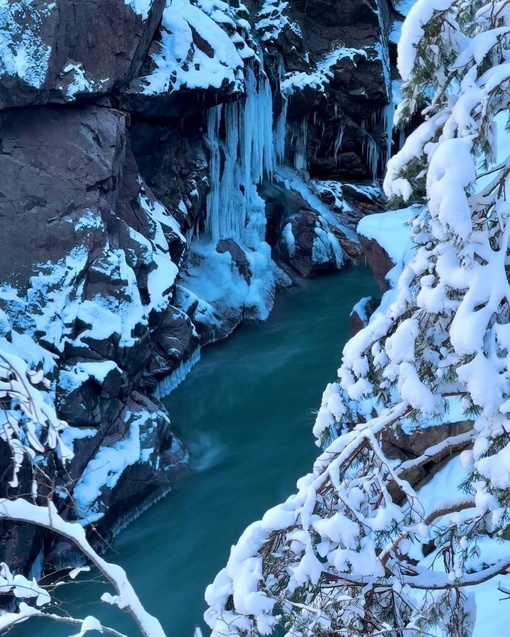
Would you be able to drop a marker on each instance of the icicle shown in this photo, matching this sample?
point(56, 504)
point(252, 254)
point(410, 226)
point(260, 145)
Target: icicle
point(388, 120)
point(257, 144)
point(232, 216)
point(214, 143)
point(240, 160)
point(190, 233)
point(383, 47)
point(339, 140)
point(280, 129)
point(280, 132)
point(401, 138)
point(300, 158)
point(169, 383)
point(370, 151)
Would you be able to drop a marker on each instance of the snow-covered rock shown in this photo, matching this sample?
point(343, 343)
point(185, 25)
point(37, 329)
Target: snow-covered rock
point(58, 51)
point(90, 277)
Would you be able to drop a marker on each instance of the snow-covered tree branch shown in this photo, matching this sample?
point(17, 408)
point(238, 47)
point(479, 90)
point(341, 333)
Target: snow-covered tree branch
point(362, 548)
point(31, 428)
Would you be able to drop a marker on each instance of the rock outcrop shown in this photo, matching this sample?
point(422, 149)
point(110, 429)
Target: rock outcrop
point(164, 168)
point(378, 261)
point(64, 50)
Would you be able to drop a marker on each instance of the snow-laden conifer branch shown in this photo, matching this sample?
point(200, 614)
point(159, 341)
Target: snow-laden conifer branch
point(452, 444)
point(10, 619)
point(28, 421)
point(48, 517)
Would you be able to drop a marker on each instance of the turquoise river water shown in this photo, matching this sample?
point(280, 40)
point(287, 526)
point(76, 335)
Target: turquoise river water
point(245, 413)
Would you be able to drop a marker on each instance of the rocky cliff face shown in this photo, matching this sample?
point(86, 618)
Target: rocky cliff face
point(164, 168)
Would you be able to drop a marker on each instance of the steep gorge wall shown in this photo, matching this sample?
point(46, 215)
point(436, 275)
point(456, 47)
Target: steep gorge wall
point(155, 191)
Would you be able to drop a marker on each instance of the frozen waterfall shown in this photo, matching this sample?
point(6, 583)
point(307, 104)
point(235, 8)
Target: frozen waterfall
point(241, 141)
point(236, 280)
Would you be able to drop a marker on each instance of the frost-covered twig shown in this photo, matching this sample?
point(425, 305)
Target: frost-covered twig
point(10, 619)
point(48, 517)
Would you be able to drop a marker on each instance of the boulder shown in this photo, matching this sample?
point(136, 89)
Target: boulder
point(308, 247)
point(361, 313)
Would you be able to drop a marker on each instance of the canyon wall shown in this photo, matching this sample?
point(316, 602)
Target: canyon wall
point(164, 169)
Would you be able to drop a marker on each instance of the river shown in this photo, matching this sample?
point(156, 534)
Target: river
point(245, 412)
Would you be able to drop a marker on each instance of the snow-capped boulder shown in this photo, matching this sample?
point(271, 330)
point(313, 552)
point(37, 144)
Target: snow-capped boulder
point(386, 244)
point(308, 247)
point(361, 313)
point(196, 61)
point(309, 235)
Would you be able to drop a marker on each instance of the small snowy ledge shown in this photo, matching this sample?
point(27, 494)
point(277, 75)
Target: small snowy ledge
point(391, 231)
point(140, 7)
point(75, 81)
point(319, 78)
point(272, 20)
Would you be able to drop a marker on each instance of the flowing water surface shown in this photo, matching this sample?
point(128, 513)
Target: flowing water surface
point(245, 413)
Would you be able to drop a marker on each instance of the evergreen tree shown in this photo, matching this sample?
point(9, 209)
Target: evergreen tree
point(357, 551)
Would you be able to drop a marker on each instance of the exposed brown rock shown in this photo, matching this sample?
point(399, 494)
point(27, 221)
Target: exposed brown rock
point(358, 318)
point(378, 261)
point(78, 48)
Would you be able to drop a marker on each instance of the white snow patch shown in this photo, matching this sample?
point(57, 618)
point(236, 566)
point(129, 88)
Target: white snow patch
point(320, 77)
point(180, 62)
point(141, 7)
point(23, 52)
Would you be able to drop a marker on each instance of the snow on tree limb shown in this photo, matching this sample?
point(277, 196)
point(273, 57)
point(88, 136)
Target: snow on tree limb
point(30, 426)
point(48, 517)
